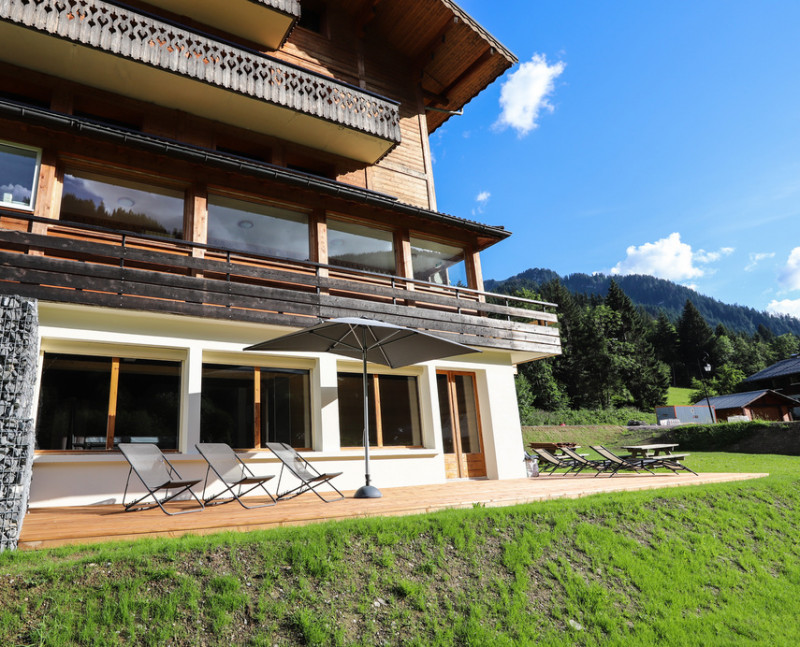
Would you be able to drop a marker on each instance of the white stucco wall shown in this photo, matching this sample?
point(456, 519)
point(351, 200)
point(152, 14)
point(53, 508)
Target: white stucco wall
point(64, 478)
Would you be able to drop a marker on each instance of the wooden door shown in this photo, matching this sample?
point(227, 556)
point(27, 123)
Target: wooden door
point(461, 427)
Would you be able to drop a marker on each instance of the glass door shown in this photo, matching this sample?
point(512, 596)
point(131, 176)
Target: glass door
point(461, 431)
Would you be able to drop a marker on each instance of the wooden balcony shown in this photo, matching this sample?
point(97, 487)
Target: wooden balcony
point(93, 266)
point(145, 57)
point(266, 22)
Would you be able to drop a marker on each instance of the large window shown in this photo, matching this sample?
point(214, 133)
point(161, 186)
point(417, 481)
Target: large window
point(360, 247)
point(247, 407)
point(438, 262)
point(94, 403)
point(257, 228)
point(19, 170)
point(122, 204)
point(394, 419)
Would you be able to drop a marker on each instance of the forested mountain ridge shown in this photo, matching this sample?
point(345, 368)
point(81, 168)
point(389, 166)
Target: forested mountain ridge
point(655, 295)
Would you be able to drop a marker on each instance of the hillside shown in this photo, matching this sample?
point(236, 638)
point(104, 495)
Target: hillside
point(654, 295)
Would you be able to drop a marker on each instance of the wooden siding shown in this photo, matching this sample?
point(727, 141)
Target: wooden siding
point(75, 265)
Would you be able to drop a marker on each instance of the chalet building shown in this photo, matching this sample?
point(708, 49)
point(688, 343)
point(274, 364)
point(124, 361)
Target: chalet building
point(180, 179)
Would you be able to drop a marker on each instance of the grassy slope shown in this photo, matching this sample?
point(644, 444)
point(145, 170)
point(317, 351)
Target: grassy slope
point(710, 565)
point(679, 397)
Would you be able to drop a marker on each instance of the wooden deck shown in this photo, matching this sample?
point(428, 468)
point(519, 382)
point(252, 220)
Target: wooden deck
point(46, 527)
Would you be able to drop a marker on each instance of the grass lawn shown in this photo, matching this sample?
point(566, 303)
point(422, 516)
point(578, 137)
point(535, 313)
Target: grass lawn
point(708, 565)
point(679, 397)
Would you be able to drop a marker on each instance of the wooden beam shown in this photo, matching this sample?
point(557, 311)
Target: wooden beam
point(439, 38)
point(113, 391)
point(367, 17)
point(483, 58)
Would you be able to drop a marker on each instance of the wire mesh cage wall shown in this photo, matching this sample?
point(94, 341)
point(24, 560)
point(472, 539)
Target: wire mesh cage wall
point(18, 368)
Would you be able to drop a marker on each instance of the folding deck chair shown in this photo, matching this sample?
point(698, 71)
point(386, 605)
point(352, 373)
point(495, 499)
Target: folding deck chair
point(670, 461)
point(157, 474)
point(584, 462)
point(301, 469)
point(553, 462)
point(234, 475)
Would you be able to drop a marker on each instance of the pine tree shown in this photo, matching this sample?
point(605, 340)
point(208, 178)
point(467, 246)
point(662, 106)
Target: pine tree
point(694, 343)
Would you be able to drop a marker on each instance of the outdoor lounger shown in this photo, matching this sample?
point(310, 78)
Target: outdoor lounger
point(234, 475)
point(157, 475)
point(301, 469)
point(598, 466)
point(616, 463)
point(550, 462)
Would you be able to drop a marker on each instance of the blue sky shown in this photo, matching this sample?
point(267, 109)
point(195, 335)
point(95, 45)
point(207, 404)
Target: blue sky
point(640, 137)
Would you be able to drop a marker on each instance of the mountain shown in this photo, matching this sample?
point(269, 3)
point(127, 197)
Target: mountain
point(654, 295)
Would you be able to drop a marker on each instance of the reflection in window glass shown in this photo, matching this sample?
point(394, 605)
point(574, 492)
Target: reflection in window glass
point(19, 168)
point(226, 405)
point(257, 228)
point(360, 247)
point(73, 402)
point(148, 402)
point(121, 204)
point(394, 418)
point(438, 263)
point(77, 412)
point(285, 407)
point(230, 400)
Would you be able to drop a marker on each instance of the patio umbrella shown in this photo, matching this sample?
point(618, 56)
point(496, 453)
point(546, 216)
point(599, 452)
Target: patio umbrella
point(369, 341)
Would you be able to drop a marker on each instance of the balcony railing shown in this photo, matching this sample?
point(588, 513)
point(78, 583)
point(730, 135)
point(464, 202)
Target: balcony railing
point(95, 266)
point(146, 57)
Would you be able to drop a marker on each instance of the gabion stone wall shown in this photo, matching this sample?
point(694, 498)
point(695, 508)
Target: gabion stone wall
point(19, 329)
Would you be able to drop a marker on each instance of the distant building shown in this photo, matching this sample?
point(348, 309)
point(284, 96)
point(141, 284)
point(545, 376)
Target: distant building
point(698, 414)
point(783, 377)
point(755, 405)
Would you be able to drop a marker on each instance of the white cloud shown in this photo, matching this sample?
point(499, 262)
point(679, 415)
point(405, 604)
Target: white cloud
point(756, 258)
point(785, 307)
point(790, 275)
point(526, 93)
point(667, 258)
point(702, 256)
point(482, 198)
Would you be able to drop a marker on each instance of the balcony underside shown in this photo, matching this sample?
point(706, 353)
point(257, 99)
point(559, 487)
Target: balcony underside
point(266, 22)
point(139, 57)
point(166, 277)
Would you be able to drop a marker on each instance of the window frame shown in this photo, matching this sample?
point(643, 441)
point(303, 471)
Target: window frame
point(375, 405)
point(259, 443)
point(36, 173)
point(116, 355)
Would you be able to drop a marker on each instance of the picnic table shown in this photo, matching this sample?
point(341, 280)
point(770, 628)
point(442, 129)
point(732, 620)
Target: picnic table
point(643, 451)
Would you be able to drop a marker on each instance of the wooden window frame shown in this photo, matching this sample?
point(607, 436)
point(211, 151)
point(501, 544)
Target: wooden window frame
point(36, 177)
point(375, 377)
point(111, 411)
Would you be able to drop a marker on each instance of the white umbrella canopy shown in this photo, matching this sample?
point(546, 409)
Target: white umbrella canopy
point(368, 340)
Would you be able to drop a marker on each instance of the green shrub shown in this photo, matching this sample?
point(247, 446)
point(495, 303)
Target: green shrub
point(717, 437)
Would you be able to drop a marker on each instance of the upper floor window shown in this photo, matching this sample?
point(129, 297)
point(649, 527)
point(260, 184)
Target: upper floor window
point(438, 263)
point(257, 228)
point(19, 171)
point(360, 247)
point(122, 204)
point(312, 16)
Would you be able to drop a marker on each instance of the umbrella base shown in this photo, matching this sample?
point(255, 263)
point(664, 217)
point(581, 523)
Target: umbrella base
point(367, 492)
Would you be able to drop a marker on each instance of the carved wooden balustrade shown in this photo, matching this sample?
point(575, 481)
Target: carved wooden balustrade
point(93, 266)
point(165, 46)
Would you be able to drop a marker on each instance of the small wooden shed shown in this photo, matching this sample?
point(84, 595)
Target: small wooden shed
point(755, 405)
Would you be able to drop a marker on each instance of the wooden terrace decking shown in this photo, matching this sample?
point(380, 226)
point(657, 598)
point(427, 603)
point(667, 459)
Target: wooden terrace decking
point(47, 527)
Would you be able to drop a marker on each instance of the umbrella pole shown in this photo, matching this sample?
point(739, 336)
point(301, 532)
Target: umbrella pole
point(366, 491)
